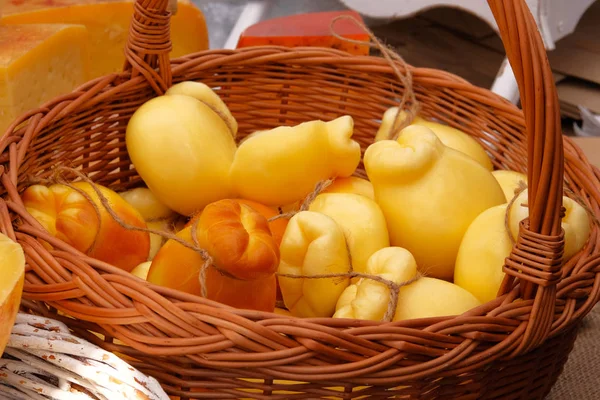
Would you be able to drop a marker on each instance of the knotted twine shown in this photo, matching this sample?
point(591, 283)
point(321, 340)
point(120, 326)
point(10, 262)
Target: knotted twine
point(304, 206)
point(409, 106)
point(521, 186)
point(57, 178)
point(410, 113)
point(509, 280)
point(393, 287)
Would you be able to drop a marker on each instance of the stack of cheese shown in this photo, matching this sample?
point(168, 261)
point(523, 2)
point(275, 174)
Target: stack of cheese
point(48, 48)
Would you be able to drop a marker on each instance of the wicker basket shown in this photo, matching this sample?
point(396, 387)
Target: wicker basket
point(44, 360)
point(511, 348)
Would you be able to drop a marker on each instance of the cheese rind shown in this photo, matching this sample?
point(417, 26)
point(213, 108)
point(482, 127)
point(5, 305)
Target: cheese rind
point(38, 63)
point(108, 24)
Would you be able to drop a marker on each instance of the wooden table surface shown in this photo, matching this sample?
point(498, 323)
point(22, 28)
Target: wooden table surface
point(591, 148)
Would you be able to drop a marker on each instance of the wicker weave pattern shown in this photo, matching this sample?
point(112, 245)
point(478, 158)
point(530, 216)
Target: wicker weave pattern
point(511, 348)
point(44, 360)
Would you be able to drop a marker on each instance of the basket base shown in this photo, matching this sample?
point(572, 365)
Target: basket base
point(532, 375)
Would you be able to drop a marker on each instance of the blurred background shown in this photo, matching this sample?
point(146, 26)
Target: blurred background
point(221, 15)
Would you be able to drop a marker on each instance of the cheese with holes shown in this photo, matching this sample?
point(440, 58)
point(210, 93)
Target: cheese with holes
point(108, 24)
point(38, 63)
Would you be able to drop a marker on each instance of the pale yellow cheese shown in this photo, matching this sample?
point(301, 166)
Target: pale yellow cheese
point(38, 63)
point(108, 24)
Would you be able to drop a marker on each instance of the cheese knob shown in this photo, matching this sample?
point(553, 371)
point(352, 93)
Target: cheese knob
point(370, 299)
point(429, 194)
point(281, 166)
point(313, 244)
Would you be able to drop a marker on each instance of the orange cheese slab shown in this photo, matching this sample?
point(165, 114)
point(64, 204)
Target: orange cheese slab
point(107, 22)
point(38, 63)
point(309, 29)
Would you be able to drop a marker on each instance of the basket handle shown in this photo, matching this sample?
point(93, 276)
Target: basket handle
point(149, 43)
point(536, 259)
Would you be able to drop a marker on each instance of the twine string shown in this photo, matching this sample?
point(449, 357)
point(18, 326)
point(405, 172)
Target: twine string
point(572, 195)
point(408, 102)
point(393, 287)
point(319, 188)
point(518, 190)
point(208, 260)
point(195, 246)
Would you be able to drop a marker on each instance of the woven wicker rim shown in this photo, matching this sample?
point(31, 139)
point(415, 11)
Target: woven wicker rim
point(45, 360)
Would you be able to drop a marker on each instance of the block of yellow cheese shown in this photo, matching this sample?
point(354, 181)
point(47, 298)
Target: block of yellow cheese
point(108, 24)
point(38, 63)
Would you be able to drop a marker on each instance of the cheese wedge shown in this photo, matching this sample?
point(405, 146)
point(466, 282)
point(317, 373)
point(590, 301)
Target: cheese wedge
point(38, 63)
point(108, 24)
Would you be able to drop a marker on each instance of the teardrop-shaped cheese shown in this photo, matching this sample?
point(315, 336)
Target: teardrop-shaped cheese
point(429, 194)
